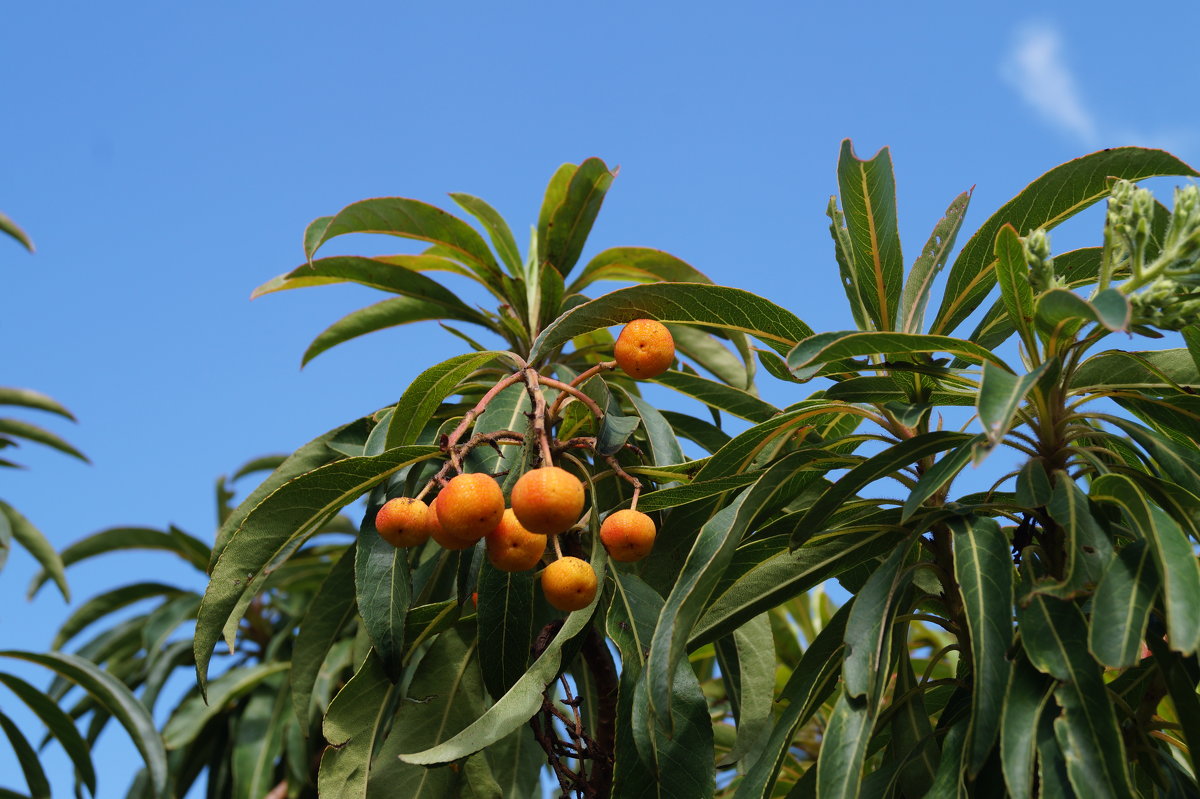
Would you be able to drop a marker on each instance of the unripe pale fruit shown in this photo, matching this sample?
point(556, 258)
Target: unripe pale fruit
point(569, 583)
point(403, 522)
point(470, 506)
point(511, 547)
point(547, 500)
point(628, 535)
point(437, 533)
point(644, 349)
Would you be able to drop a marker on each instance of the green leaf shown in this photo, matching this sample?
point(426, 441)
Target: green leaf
point(498, 230)
point(844, 748)
point(1088, 547)
point(944, 471)
point(732, 400)
point(813, 352)
point(874, 468)
point(677, 303)
point(123, 539)
point(58, 725)
point(705, 563)
point(19, 429)
point(1053, 781)
point(506, 411)
point(412, 219)
point(1162, 370)
point(36, 544)
point(1055, 196)
point(569, 210)
point(10, 227)
point(194, 713)
point(984, 572)
point(516, 762)
point(664, 447)
point(948, 782)
point(911, 747)
point(522, 700)
point(843, 253)
point(1055, 637)
point(866, 664)
point(28, 398)
point(868, 194)
point(100, 606)
point(1024, 700)
point(258, 741)
point(693, 492)
point(1181, 686)
point(383, 592)
point(276, 527)
point(636, 265)
point(1121, 606)
point(707, 352)
point(380, 316)
point(755, 649)
point(1001, 395)
point(929, 264)
point(116, 699)
point(810, 683)
point(446, 695)
point(675, 768)
point(1012, 272)
point(756, 581)
point(1172, 553)
point(1063, 312)
point(331, 608)
point(308, 457)
point(31, 767)
point(505, 626)
point(426, 392)
point(356, 717)
point(698, 431)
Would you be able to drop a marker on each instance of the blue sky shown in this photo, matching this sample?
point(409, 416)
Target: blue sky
point(166, 157)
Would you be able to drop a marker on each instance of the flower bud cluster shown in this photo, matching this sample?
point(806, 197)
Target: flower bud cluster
point(1036, 247)
point(1165, 304)
point(1169, 295)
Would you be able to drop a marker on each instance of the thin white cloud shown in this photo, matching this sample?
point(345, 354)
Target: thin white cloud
point(1035, 68)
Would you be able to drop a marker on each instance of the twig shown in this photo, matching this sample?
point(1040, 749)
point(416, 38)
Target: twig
point(539, 414)
point(583, 377)
point(480, 407)
point(574, 392)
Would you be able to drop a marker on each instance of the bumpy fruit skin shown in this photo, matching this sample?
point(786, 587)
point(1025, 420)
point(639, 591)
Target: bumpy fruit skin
point(403, 522)
point(644, 349)
point(470, 506)
point(437, 533)
point(547, 500)
point(569, 584)
point(628, 535)
point(511, 547)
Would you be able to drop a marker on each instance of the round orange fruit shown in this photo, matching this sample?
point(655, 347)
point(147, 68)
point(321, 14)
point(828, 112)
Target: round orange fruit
point(645, 349)
point(569, 583)
point(511, 547)
point(403, 522)
point(547, 500)
point(628, 535)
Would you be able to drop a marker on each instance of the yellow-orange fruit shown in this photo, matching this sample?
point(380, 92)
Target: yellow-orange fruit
point(470, 506)
point(569, 583)
point(511, 547)
point(437, 533)
point(644, 349)
point(403, 522)
point(547, 500)
point(628, 535)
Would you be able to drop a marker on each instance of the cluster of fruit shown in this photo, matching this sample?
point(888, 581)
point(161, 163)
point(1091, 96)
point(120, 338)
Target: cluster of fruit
point(546, 502)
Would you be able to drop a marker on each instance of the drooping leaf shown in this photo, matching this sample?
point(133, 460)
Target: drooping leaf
point(941, 474)
point(1024, 699)
point(868, 195)
point(36, 544)
point(636, 265)
point(116, 699)
point(844, 748)
point(1121, 606)
point(356, 718)
point(258, 741)
point(28, 398)
point(1177, 565)
point(505, 626)
point(865, 665)
point(1001, 395)
point(682, 303)
point(31, 767)
point(194, 713)
point(1055, 196)
point(58, 724)
point(1088, 547)
point(10, 227)
point(1159, 370)
point(18, 429)
point(984, 572)
point(110, 601)
point(277, 526)
point(383, 592)
point(755, 652)
point(332, 606)
point(1065, 311)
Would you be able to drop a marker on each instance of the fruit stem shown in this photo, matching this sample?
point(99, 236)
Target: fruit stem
point(557, 549)
point(605, 366)
point(574, 392)
point(539, 414)
point(627, 477)
point(480, 407)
